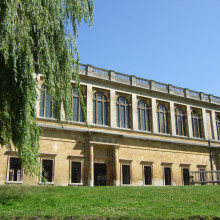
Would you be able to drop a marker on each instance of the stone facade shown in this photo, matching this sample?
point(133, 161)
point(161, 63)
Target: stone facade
point(123, 150)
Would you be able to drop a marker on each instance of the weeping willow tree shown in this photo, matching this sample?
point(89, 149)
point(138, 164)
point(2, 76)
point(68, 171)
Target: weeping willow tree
point(36, 37)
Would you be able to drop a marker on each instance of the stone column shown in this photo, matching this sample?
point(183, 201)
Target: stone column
point(154, 115)
point(112, 105)
point(116, 181)
point(91, 166)
point(204, 124)
point(215, 133)
point(189, 121)
point(172, 119)
point(134, 112)
point(89, 104)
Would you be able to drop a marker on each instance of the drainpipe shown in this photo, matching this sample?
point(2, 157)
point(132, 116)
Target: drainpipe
point(211, 158)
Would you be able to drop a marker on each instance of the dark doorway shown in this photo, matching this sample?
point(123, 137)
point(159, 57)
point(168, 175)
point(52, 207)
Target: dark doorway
point(185, 176)
point(99, 174)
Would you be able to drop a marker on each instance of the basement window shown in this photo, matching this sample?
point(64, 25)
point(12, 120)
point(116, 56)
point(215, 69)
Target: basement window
point(76, 172)
point(14, 173)
point(47, 170)
point(167, 176)
point(147, 175)
point(126, 175)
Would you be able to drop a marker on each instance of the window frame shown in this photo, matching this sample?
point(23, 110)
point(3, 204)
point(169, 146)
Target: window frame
point(167, 165)
point(8, 171)
point(199, 124)
point(185, 166)
point(147, 164)
point(47, 157)
point(146, 113)
point(217, 118)
point(103, 101)
point(165, 116)
point(45, 103)
point(129, 163)
point(118, 114)
point(182, 115)
point(77, 159)
point(79, 105)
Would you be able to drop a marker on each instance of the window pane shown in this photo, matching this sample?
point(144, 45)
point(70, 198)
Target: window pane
point(105, 113)
point(81, 115)
point(167, 171)
point(76, 172)
point(94, 112)
point(42, 98)
point(139, 124)
point(162, 125)
point(166, 123)
point(99, 95)
point(48, 106)
point(47, 169)
point(158, 121)
point(75, 108)
point(180, 125)
point(117, 112)
point(196, 127)
point(142, 104)
point(147, 175)
point(143, 120)
point(122, 109)
point(75, 92)
point(148, 120)
point(127, 117)
point(100, 113)
point(125, 174)
point(176, 125)
point(122, 100)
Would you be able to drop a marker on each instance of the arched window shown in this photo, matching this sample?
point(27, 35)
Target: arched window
point(76, 108)
point(162, 119)
point(218, 125)
point(99, 109)
point(180, 122)
point(143, 116)
point(122, 109)
point(46, 104)
point(196, 124)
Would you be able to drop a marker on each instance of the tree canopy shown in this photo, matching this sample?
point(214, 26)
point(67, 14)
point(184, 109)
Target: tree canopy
point(36, 37)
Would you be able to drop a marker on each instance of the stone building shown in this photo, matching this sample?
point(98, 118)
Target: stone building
point(141, 132)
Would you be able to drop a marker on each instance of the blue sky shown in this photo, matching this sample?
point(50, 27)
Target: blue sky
point(171, 41)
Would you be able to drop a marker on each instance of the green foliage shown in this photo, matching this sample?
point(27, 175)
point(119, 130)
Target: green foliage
point(183, 202)
point(35, 38)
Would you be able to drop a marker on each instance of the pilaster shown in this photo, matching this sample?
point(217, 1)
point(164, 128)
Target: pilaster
point(154, 115)
point(134, 112)
point(189, 121)
point(112, 108)
point(89, 104)
point(204, 123)
point(215, 133)
point(116, 181)
point(172, 119)
point(91, 166)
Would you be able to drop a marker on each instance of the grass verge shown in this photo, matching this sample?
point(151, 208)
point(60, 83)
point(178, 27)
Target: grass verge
point(189, 202)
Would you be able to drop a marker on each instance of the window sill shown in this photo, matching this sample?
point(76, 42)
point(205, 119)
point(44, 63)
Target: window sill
point(126, 185)
point(46, 183)
point(75, 184)
point(13, 182)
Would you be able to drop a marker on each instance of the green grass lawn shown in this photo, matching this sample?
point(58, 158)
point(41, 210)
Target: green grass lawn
point(114, 202)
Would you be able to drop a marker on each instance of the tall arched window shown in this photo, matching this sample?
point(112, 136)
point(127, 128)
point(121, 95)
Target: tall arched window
point(76, 108)
point(122, 109)
point(180, 122)
point(162, 119)
point(46, 104)
point(196, 124)
point(218, 125)
point(143, 116)
point(99, 109)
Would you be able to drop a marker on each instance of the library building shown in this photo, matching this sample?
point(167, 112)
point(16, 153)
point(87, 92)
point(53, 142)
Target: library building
point(141, 133)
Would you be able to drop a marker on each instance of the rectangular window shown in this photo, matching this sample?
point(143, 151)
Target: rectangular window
point(147, 175)
point(185, 176)
point(47, 172)
point(167, 176)
point(76, 172)
point(126, 174)
point(15, 172)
